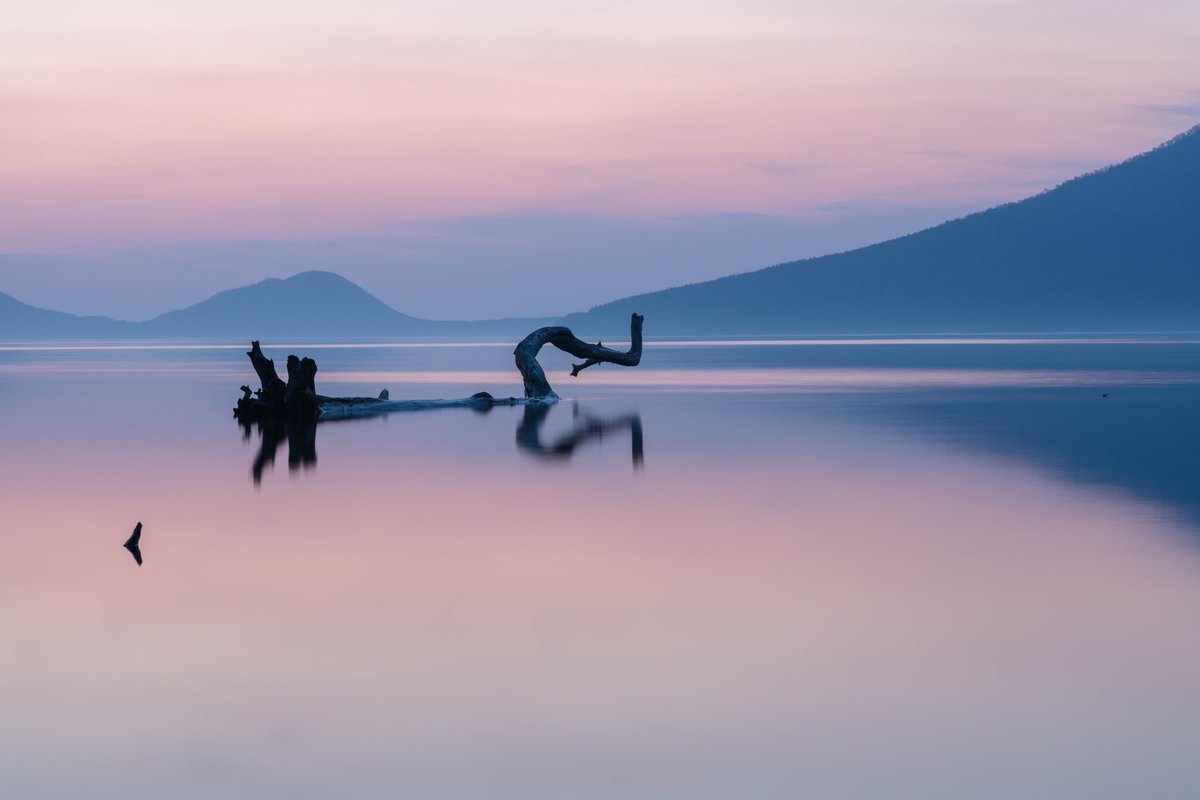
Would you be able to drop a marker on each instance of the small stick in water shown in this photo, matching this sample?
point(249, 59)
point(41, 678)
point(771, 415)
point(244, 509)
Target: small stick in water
point(132, 544)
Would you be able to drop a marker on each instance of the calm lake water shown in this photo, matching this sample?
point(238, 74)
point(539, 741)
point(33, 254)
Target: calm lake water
point(915, 569)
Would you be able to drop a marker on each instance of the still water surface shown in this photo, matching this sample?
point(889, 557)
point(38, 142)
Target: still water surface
point(910, 569)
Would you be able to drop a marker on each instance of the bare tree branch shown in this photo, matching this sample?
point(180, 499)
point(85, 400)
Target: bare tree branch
point(537, 387)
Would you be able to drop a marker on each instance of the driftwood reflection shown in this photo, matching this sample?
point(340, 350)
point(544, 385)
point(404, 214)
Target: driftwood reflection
point(586, 428)
point(301, 435)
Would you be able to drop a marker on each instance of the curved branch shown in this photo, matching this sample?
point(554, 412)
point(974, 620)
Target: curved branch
point(536, 385)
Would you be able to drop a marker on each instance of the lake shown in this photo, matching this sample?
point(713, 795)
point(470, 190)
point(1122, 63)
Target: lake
point(911, 568)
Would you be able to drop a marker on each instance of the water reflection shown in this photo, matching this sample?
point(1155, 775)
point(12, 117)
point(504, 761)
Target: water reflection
point(1145, 442)
point(587, 427)
point(301, 437)
point(741, 623)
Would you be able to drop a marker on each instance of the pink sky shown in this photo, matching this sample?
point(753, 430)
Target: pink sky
point(149, 124)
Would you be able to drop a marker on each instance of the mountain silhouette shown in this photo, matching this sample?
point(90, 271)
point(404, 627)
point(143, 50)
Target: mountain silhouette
point(311, 303)
point(308, 304)
point(1114, 250)
point(22, 321)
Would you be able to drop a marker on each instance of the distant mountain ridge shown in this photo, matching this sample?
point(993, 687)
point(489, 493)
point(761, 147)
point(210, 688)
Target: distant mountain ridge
point(312, 303)
point(316, 303)
point(1117, 249)
point(20, 321)
point(1114, 250)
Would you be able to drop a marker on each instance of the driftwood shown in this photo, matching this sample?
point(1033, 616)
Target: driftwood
point(297, 400)
point(134, 544)
point(536, 385)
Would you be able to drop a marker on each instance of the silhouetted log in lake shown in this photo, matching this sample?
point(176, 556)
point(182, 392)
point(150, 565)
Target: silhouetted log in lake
point(298, 398)
point(134, 544)
point(300, 395)
point(273, 388)
point(536, 385)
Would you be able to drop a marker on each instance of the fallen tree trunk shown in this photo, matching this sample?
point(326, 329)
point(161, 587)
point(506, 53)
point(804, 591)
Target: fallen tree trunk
point(298, 398)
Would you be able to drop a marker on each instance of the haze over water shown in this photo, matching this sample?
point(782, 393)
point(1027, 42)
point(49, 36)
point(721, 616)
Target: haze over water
point(840, 569)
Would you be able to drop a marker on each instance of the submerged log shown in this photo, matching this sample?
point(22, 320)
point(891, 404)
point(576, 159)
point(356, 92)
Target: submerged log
point(298, 398)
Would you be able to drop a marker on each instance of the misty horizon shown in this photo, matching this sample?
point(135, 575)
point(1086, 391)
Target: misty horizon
point(1070, 258)
point(552, 266)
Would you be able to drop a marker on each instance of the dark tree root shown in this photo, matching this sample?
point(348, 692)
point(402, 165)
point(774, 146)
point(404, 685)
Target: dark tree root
point(297, 400)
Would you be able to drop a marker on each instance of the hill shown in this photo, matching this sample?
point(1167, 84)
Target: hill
point(20, 321)
point(1114, 250)
point(307, 304)
point(310, 304)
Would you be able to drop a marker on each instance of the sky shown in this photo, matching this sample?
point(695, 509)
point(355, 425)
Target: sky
point(472, 159)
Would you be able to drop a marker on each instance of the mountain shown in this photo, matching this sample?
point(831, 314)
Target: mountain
point(1113, 250)
point(20, 321)
point(313, 304)
point(309, 304)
